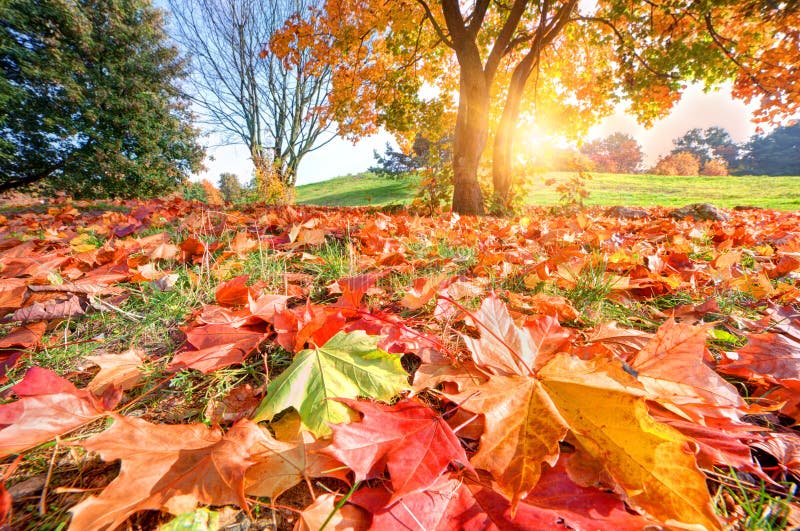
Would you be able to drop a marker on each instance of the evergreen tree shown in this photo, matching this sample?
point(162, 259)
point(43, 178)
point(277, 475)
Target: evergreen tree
point(712, 143)
point(89, 99)
point(776, 153)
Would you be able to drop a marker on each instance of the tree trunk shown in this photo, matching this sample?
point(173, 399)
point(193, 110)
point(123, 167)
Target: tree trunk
point(469, 141)
point(503, 163)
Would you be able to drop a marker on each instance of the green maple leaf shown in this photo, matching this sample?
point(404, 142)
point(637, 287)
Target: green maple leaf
point(349, 365)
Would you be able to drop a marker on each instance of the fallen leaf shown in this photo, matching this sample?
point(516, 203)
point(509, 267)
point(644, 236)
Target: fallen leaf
point(349, 365)
point(12, 294)
point(169, 468)
point(422, 291)
point(48, 405)
point(650, 461)
point(122, 370)
point(346, 518)
point(164, 251)
point(523, 430)
point(282, 464)
point(217, 346)
point(240, 402)
point(503, 347)
point(16, 343)
point(58, 308)
point(414, 442)
point(234, 292)
point(671, 367)
point(458, 503)
point(771, 356)
point(785, 447)
point(623, 342)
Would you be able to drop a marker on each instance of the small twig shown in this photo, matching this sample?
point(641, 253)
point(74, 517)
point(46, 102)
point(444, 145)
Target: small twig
point(43, 499)
point(70, 490)
point(105, 305)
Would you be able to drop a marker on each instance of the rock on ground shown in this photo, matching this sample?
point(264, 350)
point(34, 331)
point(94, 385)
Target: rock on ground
point(626, 212)
point(700, 211)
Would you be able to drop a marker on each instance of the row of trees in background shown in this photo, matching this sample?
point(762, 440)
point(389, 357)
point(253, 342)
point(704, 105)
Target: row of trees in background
point(703, 152)
point(708, 151)
point(95, 100)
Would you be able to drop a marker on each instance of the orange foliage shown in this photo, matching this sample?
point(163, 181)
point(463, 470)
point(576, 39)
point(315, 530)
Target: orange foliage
point(563, 65)
point(213, 195)
point(681, 163)
point(535, 422)
point(715, 167)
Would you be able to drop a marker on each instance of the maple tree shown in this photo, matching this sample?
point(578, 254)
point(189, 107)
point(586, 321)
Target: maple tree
point(457, 373)
point(616, 153)
point(583, 59)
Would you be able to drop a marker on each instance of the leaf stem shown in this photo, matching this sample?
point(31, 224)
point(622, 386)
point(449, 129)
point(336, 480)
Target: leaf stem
point(471, 315)
point(340, 504)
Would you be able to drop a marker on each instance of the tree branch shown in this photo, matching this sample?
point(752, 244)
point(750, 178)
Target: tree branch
point(437, 28)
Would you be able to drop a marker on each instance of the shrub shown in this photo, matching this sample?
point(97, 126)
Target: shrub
point(213, 197)
point(681, 163)
point(715, 167)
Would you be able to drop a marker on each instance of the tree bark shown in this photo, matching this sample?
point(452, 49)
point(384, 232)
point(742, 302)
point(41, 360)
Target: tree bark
point(502, 163)
point(469, 141)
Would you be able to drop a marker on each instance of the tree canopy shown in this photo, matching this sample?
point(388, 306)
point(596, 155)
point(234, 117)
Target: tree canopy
point(775, 153)
point(616, 153)
point(708, 144)
point(90, 99)
point(560, 63)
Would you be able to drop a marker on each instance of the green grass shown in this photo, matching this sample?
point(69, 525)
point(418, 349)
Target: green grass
point(781, 193)
point(358, 190)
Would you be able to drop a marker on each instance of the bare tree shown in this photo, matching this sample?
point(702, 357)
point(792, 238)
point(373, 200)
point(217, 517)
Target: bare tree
point(269, 106)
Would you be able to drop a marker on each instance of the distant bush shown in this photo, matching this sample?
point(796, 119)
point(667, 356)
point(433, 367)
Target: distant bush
point(715, 167)
point(193, 191)
point(213, 196)
point(775, 153)
point(680, 163)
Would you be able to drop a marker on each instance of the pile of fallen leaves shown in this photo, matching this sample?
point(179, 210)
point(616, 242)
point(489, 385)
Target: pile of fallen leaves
point(399, 372)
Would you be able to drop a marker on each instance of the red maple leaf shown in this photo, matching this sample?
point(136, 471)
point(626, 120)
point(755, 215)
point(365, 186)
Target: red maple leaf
point(408, 438)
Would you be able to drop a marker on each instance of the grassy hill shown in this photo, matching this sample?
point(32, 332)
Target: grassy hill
point(358, 190)
point(781, 193)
